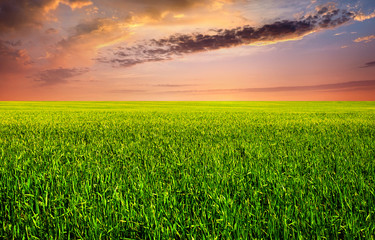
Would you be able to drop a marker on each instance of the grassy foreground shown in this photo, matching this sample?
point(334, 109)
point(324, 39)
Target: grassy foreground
point(185, 170)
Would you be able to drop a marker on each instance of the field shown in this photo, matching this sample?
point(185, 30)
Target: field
point(187, 170)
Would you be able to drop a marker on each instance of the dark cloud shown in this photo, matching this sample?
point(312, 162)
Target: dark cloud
point(23, 13)
point(51, 31)
point(14, 43)
point(11, 58)
point(58, 75)
point(19, 14)
point(180, 44)
point(369, 64)
point(88, 27)
point(345, 86)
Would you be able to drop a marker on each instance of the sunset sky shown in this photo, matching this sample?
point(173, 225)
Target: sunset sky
point(187, 50)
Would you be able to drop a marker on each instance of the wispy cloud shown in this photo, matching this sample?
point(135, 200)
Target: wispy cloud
point(345, 86)
point(174, 85)
point(77, 3)
point(369, 64)
point(128, 91)
point(365, 39)
point(180, 44)
point(339, 34)
point(59, 75)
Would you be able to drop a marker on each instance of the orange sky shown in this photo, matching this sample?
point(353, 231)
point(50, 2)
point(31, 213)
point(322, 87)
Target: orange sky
point(187, 50)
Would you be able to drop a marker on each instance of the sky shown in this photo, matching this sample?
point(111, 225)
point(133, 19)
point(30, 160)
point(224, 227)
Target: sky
point(187, 50)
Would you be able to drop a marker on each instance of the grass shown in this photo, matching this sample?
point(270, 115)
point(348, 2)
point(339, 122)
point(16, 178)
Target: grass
point(187, 170)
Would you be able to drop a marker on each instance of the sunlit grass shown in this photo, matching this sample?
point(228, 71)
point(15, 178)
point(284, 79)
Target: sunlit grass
point(170, 170)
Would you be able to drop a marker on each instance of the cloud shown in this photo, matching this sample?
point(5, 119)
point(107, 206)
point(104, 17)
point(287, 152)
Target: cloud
point(366, 39)
point(22, 14)
point(80, 47)
point(77, 3)
point(174, 85)
point(17, 15)
point(11, 58)
point(51, 31)
point(345, 86)
point(326, 7)
point(369, 64)
point(58, 75)
point(156, 9)
point(128, 91)
point(362, 17)
point(180, 44)
point(339, 34)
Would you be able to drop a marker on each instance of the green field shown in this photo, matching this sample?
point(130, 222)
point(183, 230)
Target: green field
point(187, 170)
